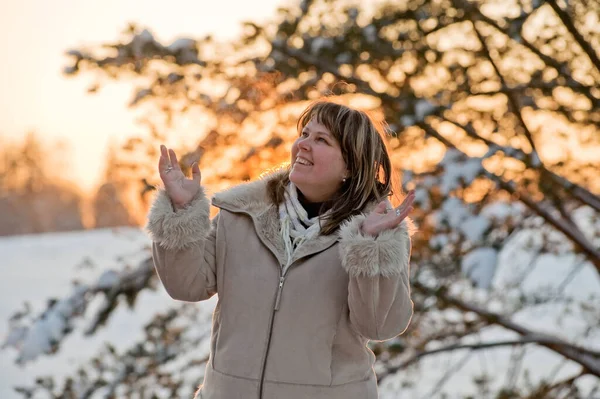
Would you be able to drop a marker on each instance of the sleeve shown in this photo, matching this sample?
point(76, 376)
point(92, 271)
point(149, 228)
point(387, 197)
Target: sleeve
point(379, 290)
point(183, 247)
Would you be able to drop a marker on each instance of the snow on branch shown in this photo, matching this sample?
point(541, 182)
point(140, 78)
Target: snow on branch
point(169, 357)
point(47, 331)
point(139, 49)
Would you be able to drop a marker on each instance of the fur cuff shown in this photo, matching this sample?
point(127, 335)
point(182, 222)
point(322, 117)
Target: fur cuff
point(386, 255)
point(182, 228)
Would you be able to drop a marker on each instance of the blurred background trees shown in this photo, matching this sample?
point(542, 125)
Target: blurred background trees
point(34, 197)
point(493, 116)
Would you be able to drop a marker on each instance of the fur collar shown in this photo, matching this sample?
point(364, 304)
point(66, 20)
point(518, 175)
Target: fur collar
point(253, 199)
point(250, 197)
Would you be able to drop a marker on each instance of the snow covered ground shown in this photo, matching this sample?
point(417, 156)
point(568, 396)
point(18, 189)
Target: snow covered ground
point(35, 268)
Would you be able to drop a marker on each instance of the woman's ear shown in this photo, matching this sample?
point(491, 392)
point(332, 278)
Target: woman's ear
point(346, 174)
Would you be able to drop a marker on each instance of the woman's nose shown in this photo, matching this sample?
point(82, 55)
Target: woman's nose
point(304, 144)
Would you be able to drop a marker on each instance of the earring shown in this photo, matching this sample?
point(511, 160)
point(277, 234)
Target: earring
point(344, 180)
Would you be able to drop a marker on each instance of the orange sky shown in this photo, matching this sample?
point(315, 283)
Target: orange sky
point(34, 34)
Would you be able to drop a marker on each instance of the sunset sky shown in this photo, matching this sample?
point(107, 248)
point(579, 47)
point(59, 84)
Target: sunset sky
point(34, 35)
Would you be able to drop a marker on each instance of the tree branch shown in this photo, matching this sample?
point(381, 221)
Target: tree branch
point(588, 359)
point(561, 67)
point(311, 60)
point(455, 368)
point(566, 20)
point(583, 195)
point(532, 339)
point(574, 235)
point(512, 101)
point(545, 390)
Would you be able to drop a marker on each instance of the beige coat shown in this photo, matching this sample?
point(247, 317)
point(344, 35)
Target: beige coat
point(301, 335)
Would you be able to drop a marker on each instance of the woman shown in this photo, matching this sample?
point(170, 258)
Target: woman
point(310, 263)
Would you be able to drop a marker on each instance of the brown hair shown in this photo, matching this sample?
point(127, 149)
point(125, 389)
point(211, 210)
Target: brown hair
point(365, 154)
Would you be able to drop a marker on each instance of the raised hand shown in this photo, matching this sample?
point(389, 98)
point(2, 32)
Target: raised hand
point(384, 217)
point(180, 189)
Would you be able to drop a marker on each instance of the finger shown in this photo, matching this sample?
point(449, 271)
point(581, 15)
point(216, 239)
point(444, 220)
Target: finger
point(196, 176)
point(393, 220)
point(173, 159)
point(408, 201)
point(401, 208)
point(403, 214)
point(381, 208)
point(163, 160)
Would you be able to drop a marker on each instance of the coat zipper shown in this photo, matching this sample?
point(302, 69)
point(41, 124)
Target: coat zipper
point(278, 298)
point(275, 308)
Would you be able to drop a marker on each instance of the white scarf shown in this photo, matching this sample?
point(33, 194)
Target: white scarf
point(296, 227)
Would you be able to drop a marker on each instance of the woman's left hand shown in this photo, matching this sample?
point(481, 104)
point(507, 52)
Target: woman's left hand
point(383, 217)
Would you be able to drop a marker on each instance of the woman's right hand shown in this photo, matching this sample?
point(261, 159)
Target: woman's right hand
point(181, 190)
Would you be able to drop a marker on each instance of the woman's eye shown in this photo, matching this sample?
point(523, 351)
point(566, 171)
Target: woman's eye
point(322, 139)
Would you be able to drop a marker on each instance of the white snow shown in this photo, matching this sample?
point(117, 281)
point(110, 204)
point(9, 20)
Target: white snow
point(320, 43)
point(457, 216)
point(140, 40)
point(454, 211)
point(51, 328)
point(68, 70)
point(439, 241)
point(140, 95)
point(407, 120)
point(474, 227)
point(343, 58)
point(502, 210)
point(535, 160)
point(457, 170)
point(423, 108)
point(74, 53)
point(352, 13)
point(39, 267)
point(479, 266)
point(422, 198)
point(370, 33)
point(304, 6)
point(107, 279)
point(182, 44)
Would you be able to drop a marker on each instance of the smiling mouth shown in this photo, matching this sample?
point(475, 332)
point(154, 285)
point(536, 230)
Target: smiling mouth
point(303, 162)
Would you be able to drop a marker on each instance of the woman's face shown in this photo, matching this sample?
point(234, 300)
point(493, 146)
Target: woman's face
point(317, 163)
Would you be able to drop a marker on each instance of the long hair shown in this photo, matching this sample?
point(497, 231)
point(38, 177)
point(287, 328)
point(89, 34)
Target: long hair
point(366, 157)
